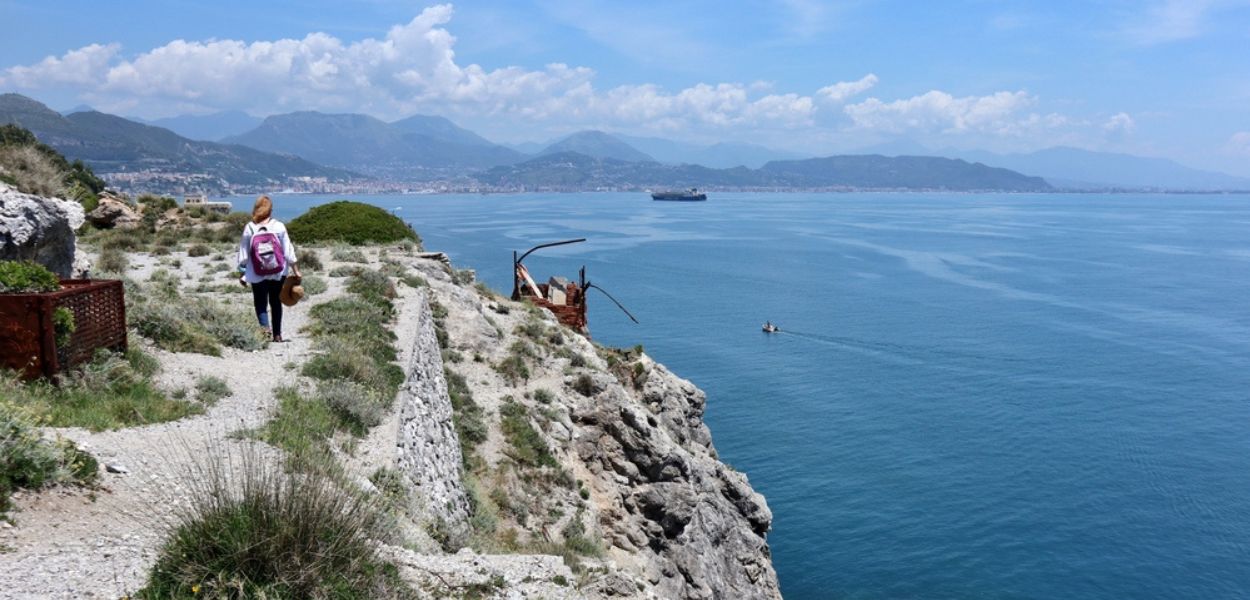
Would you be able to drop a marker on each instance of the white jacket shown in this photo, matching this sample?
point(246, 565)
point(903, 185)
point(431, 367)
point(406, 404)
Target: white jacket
point(273, 226)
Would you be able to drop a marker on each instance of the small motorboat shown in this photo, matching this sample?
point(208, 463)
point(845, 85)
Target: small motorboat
point(770, 328)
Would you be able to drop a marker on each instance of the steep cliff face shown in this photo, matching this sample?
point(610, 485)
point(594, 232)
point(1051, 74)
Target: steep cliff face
point(595, 454)
point(695, 524)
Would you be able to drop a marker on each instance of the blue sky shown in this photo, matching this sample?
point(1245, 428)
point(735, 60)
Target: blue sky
point(1150, 77)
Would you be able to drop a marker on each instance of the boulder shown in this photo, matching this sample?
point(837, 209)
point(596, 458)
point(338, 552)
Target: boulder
point(112, 212)
point(39, 229)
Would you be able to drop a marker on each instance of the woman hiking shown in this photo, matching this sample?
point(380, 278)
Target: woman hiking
point(266, 256)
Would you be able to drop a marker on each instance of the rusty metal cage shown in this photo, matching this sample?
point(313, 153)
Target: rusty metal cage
point(28, 336)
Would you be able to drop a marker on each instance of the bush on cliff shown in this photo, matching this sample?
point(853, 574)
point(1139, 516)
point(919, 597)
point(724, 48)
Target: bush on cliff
point(352, 222)
point(36, 168)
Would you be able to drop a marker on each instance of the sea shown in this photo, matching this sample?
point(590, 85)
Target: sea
point(971, 395)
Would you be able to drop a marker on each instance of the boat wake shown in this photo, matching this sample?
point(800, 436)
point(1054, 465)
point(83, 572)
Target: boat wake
point(902, 353)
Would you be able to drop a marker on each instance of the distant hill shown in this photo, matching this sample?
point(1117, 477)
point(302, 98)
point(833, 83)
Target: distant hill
point(568, 171)
point(212, 128)
point(79, 108)
point(574, 171)
point(363, 143)
point(111, 144)
point(722, 155)
point(597, 144)
point(901, 172)
point(1074, 168)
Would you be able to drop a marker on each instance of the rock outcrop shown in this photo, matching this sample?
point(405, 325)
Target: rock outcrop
point(114, 213)
point(39, 229)
point(597, 454)
point(428, 449)
point(665, 496)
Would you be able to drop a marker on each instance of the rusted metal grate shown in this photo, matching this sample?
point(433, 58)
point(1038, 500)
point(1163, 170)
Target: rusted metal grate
point(27, 336)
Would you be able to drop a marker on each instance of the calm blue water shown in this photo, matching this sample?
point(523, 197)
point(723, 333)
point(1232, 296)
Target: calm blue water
point(974, 396)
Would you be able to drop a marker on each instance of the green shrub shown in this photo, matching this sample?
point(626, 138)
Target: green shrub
point(348, 254)
point(352, 222)
point(32, 172)
point(63, 325)
point(301, 425)
point(372, 286)
point(209, 389)
point(19, 277)
point(514, 369)
point(345, 270)
point(526, 445)
point(308, 260)
point(270, 533)
point(199, 250)
point(356, 406)
point(544, 395)
point(112, 260)
point(584, 385)
point(195, 324)
point(342, 358)
point(414, 281)
point(314, 285)
point(28, 461)
point(51, 171)
point(238, 219)
point(156, 204)
point(467, 417)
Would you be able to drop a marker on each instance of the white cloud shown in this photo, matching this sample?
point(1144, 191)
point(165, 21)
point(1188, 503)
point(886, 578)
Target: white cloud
point(81, 67)
point(1174, 20)
point(844, 90)
point(1239, 143)
point(412, 68)
point(1120, 124)
point(937, 111)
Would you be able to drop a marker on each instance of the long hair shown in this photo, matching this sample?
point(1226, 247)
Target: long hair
point(262, 209)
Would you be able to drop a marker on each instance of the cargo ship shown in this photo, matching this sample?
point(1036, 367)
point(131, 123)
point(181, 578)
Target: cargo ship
point(690, 195)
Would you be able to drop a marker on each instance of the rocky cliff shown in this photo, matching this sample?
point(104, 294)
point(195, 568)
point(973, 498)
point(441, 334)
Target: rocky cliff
point(558, 446)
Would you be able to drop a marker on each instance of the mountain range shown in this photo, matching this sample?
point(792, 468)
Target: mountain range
point(369, 145)
point(112, 145)
point(1069, 168)
point(1074, 168)
point(572, 171)
point(721, 155)
point(210, 128)
point(432, 148)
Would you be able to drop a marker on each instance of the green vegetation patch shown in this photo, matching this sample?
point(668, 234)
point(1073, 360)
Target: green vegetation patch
point(111, 392)
point(28, 461)
point(467, 418)
point(355, 223)
point(36, 168)
point(22, 277)
point(357, 378)
point(526, 445)
point(270, 533)
point(199, 324)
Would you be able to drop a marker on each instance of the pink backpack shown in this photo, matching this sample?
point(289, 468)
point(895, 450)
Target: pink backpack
point(267, 255)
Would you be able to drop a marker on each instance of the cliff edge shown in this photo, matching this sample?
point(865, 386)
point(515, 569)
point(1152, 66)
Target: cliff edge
point(523, 438)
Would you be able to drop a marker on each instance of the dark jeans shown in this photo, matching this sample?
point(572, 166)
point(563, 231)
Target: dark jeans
point(267, 292)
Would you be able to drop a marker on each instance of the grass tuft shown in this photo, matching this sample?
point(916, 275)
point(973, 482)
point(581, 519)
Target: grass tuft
point(253, 530)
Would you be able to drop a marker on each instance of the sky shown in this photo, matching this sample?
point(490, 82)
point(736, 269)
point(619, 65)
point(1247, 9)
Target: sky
point(1149, 77)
